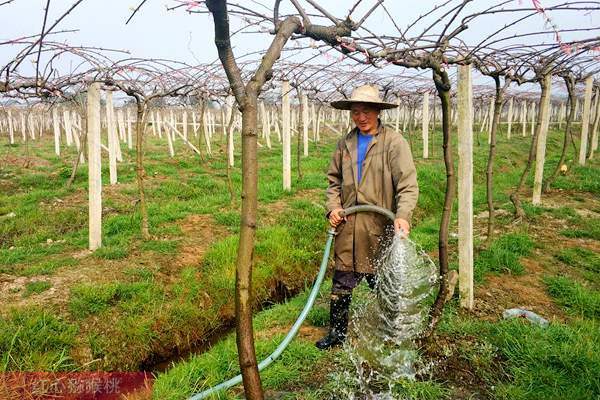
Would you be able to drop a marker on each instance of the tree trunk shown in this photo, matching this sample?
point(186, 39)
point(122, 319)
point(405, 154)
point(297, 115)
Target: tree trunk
point(140, 172)
point(442, 83)
point(498, 103)
point(514, 196)
point(570, 85)
point(544, 117)
point(246, 96)
point(243, 287)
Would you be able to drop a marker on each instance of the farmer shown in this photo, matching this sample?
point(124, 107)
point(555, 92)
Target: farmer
point(371, 165)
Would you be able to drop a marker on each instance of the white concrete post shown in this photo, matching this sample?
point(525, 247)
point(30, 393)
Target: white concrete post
point(11, 130)
point(112, 139)
point(212, 123)
point(275, 119)
point(397, 127)
point(540, 157)
point(68, 130)
point(230, 144)
point(425, 125)
point(184, 121)
point(585, 119)
point(524, 118)
point(94, 167)
point(206, 129)
point(594, 141)
point(465, 186)
point(305, 124)
point(159, 125)
point(318, 127)
point(121, 134)
point(31, 126)
point(169, 136)
point(23, 126)
point(173, 122)
point(510, 117)
point(153, 123)
point(532, 117)
point(129, 130)
point(195, 123)
point(77, 134)
point(265, 124)
point(314, 119)
point(561, 115)
point(287, 140)
point(121, 126)
point(490, 119)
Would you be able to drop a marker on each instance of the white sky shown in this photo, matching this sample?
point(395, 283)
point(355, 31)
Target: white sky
point(177, 35)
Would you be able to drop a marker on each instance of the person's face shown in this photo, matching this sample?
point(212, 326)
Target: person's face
point(365, 117)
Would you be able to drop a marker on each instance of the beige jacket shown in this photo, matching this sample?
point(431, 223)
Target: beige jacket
point(389, 180)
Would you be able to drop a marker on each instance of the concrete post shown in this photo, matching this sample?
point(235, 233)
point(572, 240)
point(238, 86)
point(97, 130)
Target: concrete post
point(509, 117)
point(594, 141)
point(11, 130)
point(540, 158)
point(425, 125)
point(169, 136)
point(112, 139)
point(67, 124)
point(524, 118)
point(287, 140)
point(397, 111)
point(532, 117)
point(230, 144)
point(129, 130)
point(94, 167)
point(490, 119)
point(585, 119)
point(206, 131)
point(465, 186)
point(153, 123)
point(305, 124)
point(184, 121)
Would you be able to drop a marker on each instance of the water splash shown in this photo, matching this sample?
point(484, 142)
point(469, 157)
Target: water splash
point(380, 345)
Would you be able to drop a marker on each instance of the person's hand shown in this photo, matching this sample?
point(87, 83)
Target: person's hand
point(335, 218)
point(402, 226)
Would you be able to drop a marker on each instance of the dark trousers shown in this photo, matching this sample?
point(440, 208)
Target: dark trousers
point(345, 281)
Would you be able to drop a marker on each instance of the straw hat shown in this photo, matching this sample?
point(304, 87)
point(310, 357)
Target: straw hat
point(368, 94)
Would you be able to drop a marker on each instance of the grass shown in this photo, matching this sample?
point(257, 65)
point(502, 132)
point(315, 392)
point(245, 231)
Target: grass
point(88, 300)
point(155, 307)
point(503, 256)
point(576, 298)
point(219, 364)
point(559, 362)
point(587, 228)
point(580, 257)
point(520, 360)
point(35, 340)
point(36, 287)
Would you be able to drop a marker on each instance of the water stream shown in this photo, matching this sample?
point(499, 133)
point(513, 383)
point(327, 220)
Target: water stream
point(380, 344)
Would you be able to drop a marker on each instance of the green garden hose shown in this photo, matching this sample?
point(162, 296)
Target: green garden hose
point(307, 307)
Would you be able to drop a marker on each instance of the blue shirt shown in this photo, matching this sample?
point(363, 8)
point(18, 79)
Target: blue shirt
point(363, 145)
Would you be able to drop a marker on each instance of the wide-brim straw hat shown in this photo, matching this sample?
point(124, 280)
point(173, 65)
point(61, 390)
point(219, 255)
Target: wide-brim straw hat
point(368, 94)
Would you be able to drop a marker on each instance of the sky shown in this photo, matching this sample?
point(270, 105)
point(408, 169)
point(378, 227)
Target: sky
point(178, 35)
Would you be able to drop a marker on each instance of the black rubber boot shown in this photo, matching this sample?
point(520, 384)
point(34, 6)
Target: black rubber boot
point(338, 321)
